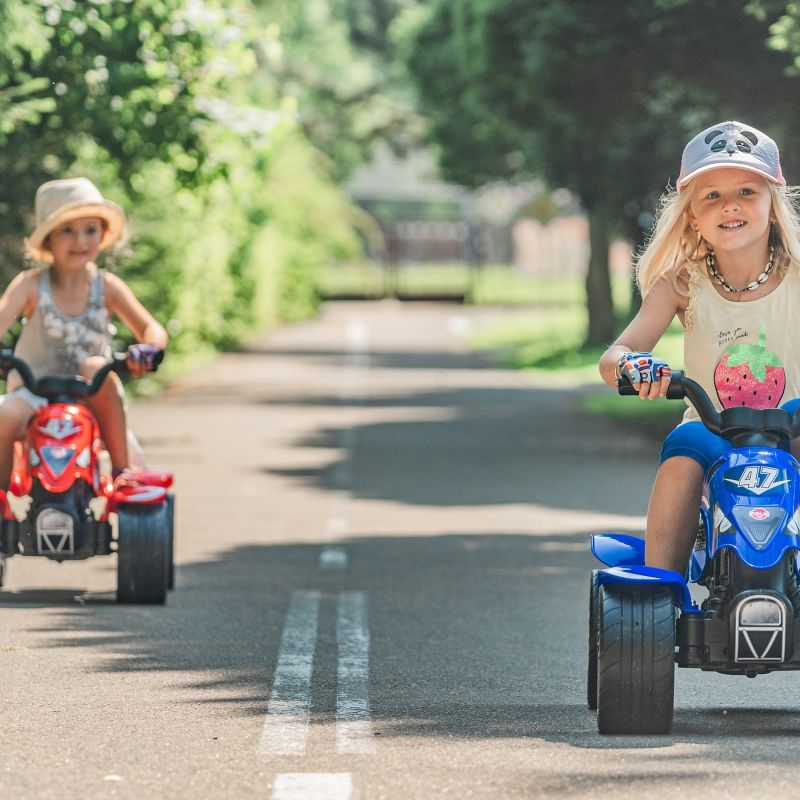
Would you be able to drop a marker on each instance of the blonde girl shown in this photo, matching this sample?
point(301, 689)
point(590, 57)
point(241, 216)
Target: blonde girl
point(725, 259)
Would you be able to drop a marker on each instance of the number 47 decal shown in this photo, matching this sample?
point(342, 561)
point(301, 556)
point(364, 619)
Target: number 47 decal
point(758, 479)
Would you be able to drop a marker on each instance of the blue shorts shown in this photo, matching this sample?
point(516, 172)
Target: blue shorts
point(694, 440)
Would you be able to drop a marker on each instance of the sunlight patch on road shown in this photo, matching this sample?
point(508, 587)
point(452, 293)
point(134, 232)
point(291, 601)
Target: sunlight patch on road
point(313, 786)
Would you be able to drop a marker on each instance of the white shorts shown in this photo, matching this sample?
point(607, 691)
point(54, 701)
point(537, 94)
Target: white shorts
point(33, 400)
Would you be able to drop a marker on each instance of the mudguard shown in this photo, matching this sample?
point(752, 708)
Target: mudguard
point(618, 549)
point(649, 576)
point(141, 495)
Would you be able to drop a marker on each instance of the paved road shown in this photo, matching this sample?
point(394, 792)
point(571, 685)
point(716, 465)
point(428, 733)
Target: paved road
point(382, 548)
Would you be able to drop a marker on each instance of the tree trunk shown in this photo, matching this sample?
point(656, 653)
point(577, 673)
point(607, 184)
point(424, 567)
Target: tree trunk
point(599, 302)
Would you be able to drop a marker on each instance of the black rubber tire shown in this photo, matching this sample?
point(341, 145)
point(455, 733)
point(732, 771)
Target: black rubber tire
point(142, 553)
point(591, 672)
point(635, 660)
point(171, 542)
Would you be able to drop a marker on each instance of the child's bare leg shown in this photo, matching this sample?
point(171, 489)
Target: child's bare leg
point(14, 416)
point(109, 410)
point(673, 513)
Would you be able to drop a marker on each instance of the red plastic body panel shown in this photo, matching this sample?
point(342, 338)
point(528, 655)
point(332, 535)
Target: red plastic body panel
point(62, 446)
point(65, 437)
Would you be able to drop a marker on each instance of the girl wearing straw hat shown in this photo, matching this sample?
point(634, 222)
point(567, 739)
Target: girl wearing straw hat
point(67, 304)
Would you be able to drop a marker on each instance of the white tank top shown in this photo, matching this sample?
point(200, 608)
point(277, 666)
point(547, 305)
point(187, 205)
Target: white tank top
point(743, 353)
point(53, 342)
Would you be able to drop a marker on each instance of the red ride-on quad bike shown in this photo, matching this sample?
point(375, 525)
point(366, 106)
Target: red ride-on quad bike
point(73, 498)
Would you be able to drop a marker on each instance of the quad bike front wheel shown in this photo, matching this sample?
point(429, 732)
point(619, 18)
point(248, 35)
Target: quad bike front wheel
point(635, 660)
point(591, 673)
point(142, 554)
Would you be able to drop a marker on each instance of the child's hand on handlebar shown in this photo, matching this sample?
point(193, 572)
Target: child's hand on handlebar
point(647, 373)
point(142, 358)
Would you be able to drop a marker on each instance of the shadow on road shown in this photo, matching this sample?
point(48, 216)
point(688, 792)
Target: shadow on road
point(483, 446)
point(473, 637)
point(380, 359)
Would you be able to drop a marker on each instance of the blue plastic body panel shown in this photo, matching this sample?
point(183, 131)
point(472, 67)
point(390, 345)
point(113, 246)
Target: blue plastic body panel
point(618, 549)
point(751, 481)
point(757, 490)
point(649, 576)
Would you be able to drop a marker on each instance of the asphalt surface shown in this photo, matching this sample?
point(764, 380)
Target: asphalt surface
point(381, 593)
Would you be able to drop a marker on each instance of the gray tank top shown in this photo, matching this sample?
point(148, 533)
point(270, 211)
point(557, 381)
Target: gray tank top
point(55, 343)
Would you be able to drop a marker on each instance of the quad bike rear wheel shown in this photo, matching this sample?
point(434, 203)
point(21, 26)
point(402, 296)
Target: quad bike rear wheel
point(171, 541)
point(142, 554)
point(635, 660)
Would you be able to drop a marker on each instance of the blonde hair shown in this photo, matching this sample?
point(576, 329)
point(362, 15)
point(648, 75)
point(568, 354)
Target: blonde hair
point(676, 250)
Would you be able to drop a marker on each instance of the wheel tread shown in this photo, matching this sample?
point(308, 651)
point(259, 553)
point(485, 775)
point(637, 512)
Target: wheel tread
point(636, 660)
point(142, 554)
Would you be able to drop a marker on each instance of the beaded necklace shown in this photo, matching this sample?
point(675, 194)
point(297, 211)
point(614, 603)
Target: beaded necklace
point(711, 263)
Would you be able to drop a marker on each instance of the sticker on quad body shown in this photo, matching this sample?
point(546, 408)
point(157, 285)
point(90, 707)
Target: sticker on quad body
point(757, 480)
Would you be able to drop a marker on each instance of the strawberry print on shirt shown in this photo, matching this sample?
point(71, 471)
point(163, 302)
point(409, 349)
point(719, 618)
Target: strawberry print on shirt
point(750, 375)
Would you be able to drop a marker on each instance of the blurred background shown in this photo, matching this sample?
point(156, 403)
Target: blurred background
point(275, 154)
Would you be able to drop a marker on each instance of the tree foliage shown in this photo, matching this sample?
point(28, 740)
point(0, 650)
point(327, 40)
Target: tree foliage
point(172, 108)
point(343, 61)
point(599, 98)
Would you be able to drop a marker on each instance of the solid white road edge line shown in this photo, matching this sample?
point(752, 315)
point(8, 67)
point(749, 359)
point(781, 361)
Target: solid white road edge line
point(353, 722)
point(313, 786)
point(286, 724)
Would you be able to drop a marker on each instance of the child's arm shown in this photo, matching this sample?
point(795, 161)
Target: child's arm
point(658, 310)
point(18, 298)
point(143, 325)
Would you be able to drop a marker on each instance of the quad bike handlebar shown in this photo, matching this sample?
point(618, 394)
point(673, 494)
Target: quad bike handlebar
point(744, 427)
point(59, 389)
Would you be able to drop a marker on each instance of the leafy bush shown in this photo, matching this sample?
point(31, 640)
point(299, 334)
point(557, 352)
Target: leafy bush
point(170, 107)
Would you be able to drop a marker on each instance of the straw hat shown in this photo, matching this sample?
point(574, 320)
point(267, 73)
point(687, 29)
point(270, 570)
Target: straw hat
point(63, 200)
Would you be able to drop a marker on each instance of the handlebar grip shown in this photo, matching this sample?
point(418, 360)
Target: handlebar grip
point(675, 391)
point(120, 359)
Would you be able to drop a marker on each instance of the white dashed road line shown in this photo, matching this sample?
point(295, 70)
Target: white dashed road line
point(353, 723)
point(332, 557)
point(286, 725)
point(313, 786)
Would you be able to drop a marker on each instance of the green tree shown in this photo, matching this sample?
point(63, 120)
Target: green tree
point(342, 62)
point(124, 75)
point(170, 106)
point(597, 98)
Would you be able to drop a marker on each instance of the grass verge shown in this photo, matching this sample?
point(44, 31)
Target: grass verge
point(488, 285)
point(548, 345)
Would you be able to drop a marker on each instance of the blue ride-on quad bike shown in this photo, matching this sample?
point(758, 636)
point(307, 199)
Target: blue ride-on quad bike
point(642, 620)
